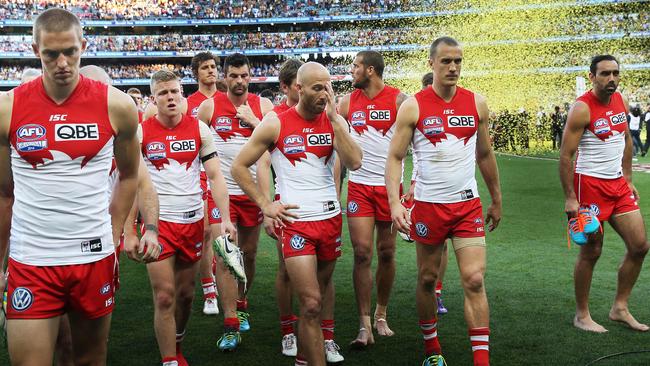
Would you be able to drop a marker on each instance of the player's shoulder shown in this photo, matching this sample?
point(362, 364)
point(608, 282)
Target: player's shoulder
point(119, 100)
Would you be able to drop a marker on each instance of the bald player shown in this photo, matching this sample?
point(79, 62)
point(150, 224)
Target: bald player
point(29, 74)
point(371, 110)
point(308, 215)
point(62, 244)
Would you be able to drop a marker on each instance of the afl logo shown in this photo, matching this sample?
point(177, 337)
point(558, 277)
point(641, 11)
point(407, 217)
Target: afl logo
point(297, 242)
point(223, 124)
point(353, 207)
point(358, 118)
point(215, 213)
point(31, 137)
point(195, 112)
point(22, 299)
point(433, 126)
point(105, 289)
point(601, 126)
point(421, 229)
point(595, 209)
point(294, 144)
point(156, 151)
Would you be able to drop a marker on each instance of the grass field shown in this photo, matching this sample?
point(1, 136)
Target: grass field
point(529, 285)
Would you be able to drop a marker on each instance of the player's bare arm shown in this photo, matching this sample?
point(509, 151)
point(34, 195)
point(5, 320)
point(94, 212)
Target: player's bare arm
point(577, 121)
point(405, 123)
point(487, 163)
point(344, 106)
point(401, 98)
point(123, 115)
point(218, 185)
point(205, 111)
point(348, 151)
point(260, 141)
point(245, 113)
point(627, 155)
point(6, 180)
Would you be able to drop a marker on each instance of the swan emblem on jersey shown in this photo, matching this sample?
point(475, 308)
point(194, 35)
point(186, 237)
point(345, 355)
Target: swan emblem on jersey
point(37, 144)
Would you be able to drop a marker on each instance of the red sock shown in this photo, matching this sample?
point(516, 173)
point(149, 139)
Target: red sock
point(480, 338)
point(438, 288)
point(286, 323)
point(429, 330)
point(242, 305)
point(327, 326)
point(209, 291)
point(300, 361)
point(231, 324)
point(170, 361)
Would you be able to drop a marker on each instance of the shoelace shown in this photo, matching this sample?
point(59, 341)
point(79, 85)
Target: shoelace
point(577, 224)
point(332, 346)
point(230, 337)
point(435, 359)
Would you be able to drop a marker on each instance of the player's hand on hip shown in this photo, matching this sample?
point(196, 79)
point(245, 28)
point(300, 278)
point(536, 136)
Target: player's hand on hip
point(269, 227)
point(401, 218)
point(149, 249)
point(571, 207)
point(493, 216)
point(280, 213)
point(131, 247)
point(634, 191)
point(228, 228)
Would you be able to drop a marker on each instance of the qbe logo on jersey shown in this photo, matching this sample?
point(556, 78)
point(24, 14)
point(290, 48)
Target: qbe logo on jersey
point(461, 121)
point(182, 145)
point(156, 151)
point(31, 137)
point(618, 118)
point(76, 132)
point(380, 115)
point(319, 139)
point(294, 144)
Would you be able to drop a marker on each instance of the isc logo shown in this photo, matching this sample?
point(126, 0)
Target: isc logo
point(183, 145)
point(319, 139)
point(380, 115)
point(58, 117)
point(618, 118)
point(77, 132)
point(461, 121)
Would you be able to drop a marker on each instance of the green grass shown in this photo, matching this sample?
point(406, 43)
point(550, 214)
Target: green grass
point(529, 285)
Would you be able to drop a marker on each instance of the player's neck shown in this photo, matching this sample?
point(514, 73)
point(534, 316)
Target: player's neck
point(237, 100)
point(445, 92)
point(169, 120)
point(373, 89)
point(304, 113)
point(59, 94)
point(290, 103)
point(602, 97)
point(207, 89)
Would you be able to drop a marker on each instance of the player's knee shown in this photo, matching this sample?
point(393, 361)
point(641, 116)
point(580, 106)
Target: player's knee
point(386, 255)
point(311, 306)
point(362, 256)
point(639, 251)
point(427, 279)
point(591, 255)
point(473, 282)
point(164, 298)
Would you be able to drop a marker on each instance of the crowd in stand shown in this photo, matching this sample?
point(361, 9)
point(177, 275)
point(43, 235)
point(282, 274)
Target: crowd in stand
point(205, 9)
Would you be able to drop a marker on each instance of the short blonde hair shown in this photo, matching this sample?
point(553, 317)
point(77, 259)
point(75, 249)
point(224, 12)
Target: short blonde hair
point(161, 76)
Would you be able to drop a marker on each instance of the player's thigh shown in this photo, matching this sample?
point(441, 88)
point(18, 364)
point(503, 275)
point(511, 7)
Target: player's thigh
point(161, 274)
point(428, 258)
point(90, 338)
point(631, 228)
point(303, 271)
point(185, 273)
point(385, 236)
point(31, 341)
point(361, 233)
point(471, 260)
point(248, 237)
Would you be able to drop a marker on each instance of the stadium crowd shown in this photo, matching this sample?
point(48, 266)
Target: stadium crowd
point(204, 9)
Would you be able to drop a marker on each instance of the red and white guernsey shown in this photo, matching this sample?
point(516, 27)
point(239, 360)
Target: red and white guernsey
point(600, 151)
point(61, 158)
point(194, 102)
point(303, 159)
point(230, 134)
point(281, 108)
point(172, 157)
point(373, 125)
point(444, 143)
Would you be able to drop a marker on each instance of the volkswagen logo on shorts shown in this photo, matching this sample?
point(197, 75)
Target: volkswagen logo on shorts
point(421, 229)
point(215, 213)
point(353, 207)
point(22, 299)
point(297, 242)
point(105, 289)
point(595, 209)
